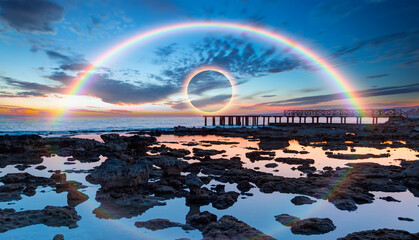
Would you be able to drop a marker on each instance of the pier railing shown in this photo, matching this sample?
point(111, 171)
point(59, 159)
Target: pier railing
point(301, 116)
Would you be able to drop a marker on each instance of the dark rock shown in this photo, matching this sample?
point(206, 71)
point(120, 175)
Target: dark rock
point(49, 216)
point(301, 200)
point(345, 204)
point(201, 220)
point(225, 200)
point(271, 165)
point(206, 152)
point(286, 219)
point(119, 173)
point(75, 197)
point(306, 168)
point(58, 237)
point(229, 227)
point(260, 155)
point(312, 226)
point(357, 156)
point(159, 223)
point(194, 183)
point(171, 166)
point(40, 167)
point(389, 199)
point(405, 219)
point(295, 161)
point(381, 234)
point(22, 167)
point(244, 186)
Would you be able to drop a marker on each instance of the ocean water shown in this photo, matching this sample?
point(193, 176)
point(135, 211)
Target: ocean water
point(45, 126)
point(38, 125)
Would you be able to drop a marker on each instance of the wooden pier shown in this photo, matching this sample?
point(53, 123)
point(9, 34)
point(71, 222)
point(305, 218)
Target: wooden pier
point(305, 117)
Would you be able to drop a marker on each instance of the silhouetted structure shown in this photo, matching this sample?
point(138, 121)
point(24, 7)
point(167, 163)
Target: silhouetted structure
point(301, 116)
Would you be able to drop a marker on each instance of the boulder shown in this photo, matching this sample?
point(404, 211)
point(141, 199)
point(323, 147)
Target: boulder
point(312, 226)
point(301, 200)
point(119, 173)
point(229, 227)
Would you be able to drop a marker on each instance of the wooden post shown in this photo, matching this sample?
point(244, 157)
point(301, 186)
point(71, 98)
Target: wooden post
point(205, 120)
point(213, 121)
point(263, 121)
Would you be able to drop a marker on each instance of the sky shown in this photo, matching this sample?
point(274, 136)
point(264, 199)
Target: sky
point(45, 46)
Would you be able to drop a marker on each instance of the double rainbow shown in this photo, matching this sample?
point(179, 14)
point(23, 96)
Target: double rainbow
point(341, 83)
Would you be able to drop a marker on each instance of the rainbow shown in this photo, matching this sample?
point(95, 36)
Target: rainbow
point(337, 80)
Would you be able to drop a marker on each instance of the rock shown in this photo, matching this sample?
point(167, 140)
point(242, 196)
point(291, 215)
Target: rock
point(301, 200)
point(171, 166)
point(178, 153)
point(206, 152)
point(271, 165)
point(273, 144)
point(201, 220)
point(40, 167)
point(306, 168)
point(405, 219)
point(58, 237)
point(159, 223)
point(229, 227)
point(286, 219)
point(124, 202)
point(162, 189)
point(194, 183)
point(295, 161)
point(260, 155)
point(22, 167)
point(244, 186)
point(218, 142)
point(357, 156)
point(312, 226)
point(75, 197)
point(225, 200)
point(119, 173)
point(381, 234)
point(49, 216)
point(389, 199)
point(345, 204)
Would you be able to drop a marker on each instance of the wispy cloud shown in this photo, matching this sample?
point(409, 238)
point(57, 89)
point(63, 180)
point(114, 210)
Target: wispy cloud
point(377, 76)
point(35, 16)
point(374, 92)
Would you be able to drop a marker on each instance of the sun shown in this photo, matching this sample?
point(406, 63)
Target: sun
point(220, 107)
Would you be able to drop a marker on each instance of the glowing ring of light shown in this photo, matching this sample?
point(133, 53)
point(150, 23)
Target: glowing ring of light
point(209, 68)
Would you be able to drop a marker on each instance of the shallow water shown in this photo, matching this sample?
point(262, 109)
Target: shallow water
point(258, 211)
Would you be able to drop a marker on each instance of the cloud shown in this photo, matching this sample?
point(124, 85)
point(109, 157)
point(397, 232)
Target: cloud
point(268, 96)
point(34, 16)
point(338, 9)
point(61, 77)
point(57, 56)
point(309, 90)
point(374, 92)
point(235, 55)
point(21, 94)
point(218, 100)
point(165, 51)
point(207, 81)
point(401, 46)
point(377, 76)
point(32, 87)
point(123, 93)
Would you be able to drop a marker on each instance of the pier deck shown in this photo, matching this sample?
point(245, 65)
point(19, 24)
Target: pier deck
point(306, 117)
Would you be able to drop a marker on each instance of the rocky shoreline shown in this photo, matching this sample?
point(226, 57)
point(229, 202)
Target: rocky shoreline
point(140, 173)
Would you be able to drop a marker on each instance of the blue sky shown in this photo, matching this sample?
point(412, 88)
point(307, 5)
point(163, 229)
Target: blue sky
point(44, 45)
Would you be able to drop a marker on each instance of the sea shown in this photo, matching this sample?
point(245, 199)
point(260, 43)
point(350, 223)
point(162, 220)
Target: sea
point(17, 125)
